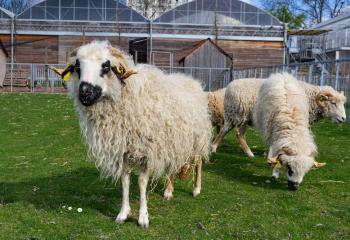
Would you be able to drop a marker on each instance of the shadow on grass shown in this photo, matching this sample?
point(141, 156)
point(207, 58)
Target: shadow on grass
point(80, 188)
point(233, 164)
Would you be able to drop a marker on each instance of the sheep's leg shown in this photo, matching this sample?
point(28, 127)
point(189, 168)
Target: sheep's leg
point(143, 213)
point(125, 210)
point(168, 193)
point(240, 133)
point(198, 181)
point(219, 138)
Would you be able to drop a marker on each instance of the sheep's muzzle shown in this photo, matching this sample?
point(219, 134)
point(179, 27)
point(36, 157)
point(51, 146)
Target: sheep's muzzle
point(293, 185)
point(89, 94)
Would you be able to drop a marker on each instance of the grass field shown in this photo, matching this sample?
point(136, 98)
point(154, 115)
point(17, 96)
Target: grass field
point(43, 167)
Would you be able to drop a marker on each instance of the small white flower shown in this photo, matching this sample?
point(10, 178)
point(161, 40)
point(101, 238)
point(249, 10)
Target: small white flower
point(70, 208)
point(64, 206)
point(79, 209)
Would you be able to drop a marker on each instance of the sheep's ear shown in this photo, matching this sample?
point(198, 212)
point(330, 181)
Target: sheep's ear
point(122, 73)
point(342, 93)
point(321, 98)
point(318, 165)
point(275, 161)
point(64, 73)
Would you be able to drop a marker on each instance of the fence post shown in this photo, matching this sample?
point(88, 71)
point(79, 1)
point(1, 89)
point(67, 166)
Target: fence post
point(209, 79)
point(310, 73)
point(322, 75)
point(32, 72)
point(337, 75)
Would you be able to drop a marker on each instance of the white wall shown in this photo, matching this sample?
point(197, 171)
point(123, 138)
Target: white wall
point(2, 67)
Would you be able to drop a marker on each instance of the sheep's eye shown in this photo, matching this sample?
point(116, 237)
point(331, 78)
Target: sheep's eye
point(334, 103)
point(106, 67)
point(290, 171)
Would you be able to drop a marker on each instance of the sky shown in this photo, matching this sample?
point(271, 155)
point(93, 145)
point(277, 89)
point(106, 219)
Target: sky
point(253, 2)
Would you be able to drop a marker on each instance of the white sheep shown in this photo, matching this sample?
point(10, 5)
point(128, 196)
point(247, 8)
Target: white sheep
point(241, 95)
point(240, 98)
point(216, 108)
point(137, 115)
point(281, 114)
point(216, 111)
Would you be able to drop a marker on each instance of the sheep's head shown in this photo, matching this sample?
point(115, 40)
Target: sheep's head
point(294, 164)
point(332, 104)
point(97, 70)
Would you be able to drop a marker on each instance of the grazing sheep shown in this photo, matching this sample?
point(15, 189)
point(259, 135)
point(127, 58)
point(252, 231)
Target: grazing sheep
point(281, 114)
point(240, 98)
point(137, 115)
point(216, 108)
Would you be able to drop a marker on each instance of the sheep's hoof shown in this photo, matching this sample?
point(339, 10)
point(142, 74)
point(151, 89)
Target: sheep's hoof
point(274, 178)
point(318, 164)
point(168, 195)
point(196, 192)
point(122, 216)
point(250, 154)
point(143, 220)
point(213, 148)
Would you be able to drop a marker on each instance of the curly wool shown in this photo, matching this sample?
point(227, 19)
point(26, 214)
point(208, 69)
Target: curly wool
point(159, 119)
point(240, 99)
point(216, 107)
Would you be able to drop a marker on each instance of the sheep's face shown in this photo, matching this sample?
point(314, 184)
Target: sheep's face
point(296, 166)
point(332, 104)
point(97, 71)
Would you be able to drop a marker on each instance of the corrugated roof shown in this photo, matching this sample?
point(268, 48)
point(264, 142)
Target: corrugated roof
point(307, 32)
point(7, 12)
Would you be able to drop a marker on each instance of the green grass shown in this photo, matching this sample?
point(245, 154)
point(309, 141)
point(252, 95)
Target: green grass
point(43, 167)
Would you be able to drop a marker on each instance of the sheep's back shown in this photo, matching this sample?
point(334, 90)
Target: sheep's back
point(240, 99)
point(281, 112)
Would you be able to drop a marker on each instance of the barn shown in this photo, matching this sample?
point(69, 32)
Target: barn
point(210, 63)
point(47, 31)
point(3, 60)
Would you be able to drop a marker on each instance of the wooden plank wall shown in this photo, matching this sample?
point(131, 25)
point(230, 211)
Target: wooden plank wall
point(68, 43)
point(247, 54)
point(179, 48)
point(33, 48)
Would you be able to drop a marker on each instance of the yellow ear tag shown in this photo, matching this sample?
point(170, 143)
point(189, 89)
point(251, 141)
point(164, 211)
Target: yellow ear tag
point(278, 165)
point(119, 70)
point(66, 76)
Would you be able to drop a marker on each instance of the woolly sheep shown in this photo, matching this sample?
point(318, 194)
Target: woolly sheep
point(281, 114)
point(216, 108)
point(137, 115)
point(240, 98)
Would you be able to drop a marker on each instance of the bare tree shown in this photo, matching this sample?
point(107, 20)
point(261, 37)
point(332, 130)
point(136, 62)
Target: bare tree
point(335, 7)
point(316, 11)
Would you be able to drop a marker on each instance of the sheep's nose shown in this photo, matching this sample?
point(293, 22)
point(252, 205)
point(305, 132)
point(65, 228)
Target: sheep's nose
point(341, 119)
point(293, 185)
point(88, 93)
